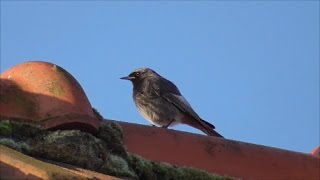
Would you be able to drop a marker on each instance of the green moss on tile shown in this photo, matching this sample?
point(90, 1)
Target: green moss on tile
point(64, 76)
point(72, 147)
point(19, 146)
point(150, 170)
point(189, 173)
point(117, 166)
point(111, 133)
point(9, 143)
point(55, 88)
point(143, 168)
point(5, 128)
point(19, 129)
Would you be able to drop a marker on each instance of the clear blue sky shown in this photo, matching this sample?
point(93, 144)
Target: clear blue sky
point(250, 68)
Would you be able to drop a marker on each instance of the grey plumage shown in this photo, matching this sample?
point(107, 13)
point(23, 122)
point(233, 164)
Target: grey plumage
point(160, 102)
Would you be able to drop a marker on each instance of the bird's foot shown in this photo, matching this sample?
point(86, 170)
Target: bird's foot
point(166, 126)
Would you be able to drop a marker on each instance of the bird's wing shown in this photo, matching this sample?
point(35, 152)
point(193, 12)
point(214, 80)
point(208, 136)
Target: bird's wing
point(181, 103)
point(171, 93)
point(168, 87)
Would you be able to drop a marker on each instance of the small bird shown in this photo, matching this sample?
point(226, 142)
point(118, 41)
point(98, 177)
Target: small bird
point(160, 102)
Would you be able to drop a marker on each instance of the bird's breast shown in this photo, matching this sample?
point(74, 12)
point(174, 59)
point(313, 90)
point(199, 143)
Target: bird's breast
point(155, 109)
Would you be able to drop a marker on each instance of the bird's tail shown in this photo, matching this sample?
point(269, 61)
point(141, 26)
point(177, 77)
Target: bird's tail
point(202, 125)
point(209, 129)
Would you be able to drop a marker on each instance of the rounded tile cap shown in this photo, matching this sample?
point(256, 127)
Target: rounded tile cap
point(44, 93)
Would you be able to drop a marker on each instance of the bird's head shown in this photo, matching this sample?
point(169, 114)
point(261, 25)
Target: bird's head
point(140, 74)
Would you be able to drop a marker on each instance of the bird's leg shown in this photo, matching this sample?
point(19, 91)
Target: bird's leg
point(166, 126)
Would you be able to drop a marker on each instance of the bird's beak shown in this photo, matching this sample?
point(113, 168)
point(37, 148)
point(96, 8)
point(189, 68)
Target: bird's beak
point(127, 78)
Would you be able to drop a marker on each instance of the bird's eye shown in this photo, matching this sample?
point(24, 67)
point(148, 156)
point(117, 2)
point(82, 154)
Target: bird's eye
point(137, 74)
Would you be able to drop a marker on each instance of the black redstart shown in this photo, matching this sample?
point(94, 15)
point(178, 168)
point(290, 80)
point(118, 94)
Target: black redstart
point(160, 102)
